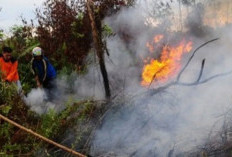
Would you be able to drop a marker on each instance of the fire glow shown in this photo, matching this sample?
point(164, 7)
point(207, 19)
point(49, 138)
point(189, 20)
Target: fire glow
point(167, 66)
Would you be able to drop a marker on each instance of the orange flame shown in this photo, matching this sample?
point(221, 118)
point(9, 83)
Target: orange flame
point(150, 47)
point(157, 38)
point(168, 65)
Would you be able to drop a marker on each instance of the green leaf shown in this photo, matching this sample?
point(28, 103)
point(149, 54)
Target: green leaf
point(6, 109)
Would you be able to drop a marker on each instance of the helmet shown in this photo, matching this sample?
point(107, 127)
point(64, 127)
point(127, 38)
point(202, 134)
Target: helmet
point(37, 51)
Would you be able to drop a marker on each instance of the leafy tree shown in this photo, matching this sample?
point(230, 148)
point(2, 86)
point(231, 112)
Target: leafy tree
point(1, 35)
point(18, 38)
point(63, 31)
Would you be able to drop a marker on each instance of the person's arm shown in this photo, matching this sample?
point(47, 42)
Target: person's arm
point(45, 69)
point(38, 83)
point(13, 76)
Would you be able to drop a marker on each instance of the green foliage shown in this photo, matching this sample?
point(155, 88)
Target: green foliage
point(30, 44)
point(6, 109)
point(18, 39)
point(7, 92)
point(52, 125)
point(17, 32)
point(107, 31)
point(66, 46)
point(26, 76)
point(66, 70)
point(65, 36)
point(49, 124)
point(1, 35)
point(22, 45)
point(75, 25)
point(80, 17)
point(5, 131)
point(12, 107)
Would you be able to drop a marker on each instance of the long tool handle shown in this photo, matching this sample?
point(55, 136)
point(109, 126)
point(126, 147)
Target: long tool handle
point(41, 137)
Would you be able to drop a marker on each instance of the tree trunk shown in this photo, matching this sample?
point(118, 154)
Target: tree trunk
point(100, 52)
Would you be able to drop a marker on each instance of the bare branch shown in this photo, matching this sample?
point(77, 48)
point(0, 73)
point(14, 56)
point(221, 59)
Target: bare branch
point(199, 77)
point(215, 76)
point(177, 82)
point(154, 76)
point(204, 81)
point(190, 59)
point(202, 68)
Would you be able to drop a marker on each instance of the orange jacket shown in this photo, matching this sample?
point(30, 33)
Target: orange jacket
point(9, 70)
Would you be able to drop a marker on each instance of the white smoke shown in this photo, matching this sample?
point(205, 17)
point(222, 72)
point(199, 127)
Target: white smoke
point(41, 100)
point(36, 99)
point(67, 89)
point(173, 121)
point(89, 85)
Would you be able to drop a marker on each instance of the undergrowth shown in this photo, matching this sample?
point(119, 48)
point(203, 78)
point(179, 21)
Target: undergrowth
point(55, 126)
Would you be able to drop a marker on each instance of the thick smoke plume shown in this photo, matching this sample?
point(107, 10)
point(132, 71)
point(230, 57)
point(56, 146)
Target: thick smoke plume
point(174, 121)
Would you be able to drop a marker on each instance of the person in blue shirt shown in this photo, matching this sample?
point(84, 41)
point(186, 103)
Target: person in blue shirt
point(43, 70)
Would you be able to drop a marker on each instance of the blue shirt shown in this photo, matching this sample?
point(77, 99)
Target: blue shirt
point(43, 68)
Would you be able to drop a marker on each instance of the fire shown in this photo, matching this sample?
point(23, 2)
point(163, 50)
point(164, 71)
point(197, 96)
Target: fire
point(157, 38)
point(168, 65)
point(150, 47)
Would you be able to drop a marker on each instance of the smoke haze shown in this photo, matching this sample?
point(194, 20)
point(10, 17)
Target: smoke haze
point(174, 121)
point(171, 122)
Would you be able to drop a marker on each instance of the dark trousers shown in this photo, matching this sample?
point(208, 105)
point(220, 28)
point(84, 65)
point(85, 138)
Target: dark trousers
point(50, 87)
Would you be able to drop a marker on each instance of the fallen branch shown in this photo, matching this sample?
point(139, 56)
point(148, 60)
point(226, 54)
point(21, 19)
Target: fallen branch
point(42, 138)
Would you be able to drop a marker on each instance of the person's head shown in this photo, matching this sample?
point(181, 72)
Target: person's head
point(37, 53)
point(6, 53)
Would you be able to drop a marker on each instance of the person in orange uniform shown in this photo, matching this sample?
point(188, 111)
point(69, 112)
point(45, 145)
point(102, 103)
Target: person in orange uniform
point(8, 66)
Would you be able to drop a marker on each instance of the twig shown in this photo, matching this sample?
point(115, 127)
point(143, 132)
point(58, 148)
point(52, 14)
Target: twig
point(190, 59)
point(154, 76)
point(204, 81)
point(215, 76)
point(197, 82)
point(41, 137)
point(201, 72)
